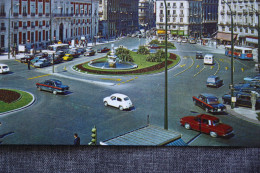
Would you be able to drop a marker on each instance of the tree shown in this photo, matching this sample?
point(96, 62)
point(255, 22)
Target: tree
point(143, 50)
point(157, 57)
point(154, 42)
point(124, 54)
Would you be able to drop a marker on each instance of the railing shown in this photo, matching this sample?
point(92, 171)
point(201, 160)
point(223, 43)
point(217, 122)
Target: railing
point(39, 14)
point(181, 15)
point(161, 6)
point(161, 15)
point(32, 14)
point(47, 14)
point(3, 28)
point(245, 12)
point(181, 6)
point(24, 14)
point(174, 15)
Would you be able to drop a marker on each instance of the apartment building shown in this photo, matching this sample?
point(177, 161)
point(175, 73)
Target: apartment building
point(146, 14)
point(245, 22)
point(118, 17)
point(36, 22)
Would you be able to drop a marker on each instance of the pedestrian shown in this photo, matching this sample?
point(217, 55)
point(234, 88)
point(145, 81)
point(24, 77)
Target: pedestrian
point(76, 140)
point(29, 64)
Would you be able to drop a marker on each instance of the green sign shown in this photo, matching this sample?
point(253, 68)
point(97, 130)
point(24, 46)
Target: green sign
point(174, 32)
point(181, 32)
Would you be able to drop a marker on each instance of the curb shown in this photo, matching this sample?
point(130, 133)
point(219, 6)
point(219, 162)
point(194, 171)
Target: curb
point(236, 114)
point(19, 109)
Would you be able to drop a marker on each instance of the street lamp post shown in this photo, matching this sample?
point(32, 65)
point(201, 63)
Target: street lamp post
point(9, 30)
point(258, 30)
point(232, 58)
point(166, 75)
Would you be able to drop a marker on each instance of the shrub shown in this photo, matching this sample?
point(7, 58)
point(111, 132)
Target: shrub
point(154, 42)
point(124, 54)
point(143, 50)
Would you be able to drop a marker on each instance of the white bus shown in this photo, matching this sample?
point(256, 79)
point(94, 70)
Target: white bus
point(55, 47)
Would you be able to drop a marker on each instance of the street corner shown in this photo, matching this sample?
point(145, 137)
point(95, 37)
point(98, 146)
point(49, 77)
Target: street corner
point(246, 114)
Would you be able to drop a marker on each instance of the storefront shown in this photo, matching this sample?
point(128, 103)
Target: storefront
point(225, 38)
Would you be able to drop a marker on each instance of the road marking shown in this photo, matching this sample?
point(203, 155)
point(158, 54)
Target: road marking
point(127, 81)
point(211, 67)
point(221, 60)
point(186, 68)
point(183, 65)
point(226, 68)
point(241, 63)
point(39, 76)
point(218, 68)
point(113, 79)
point(242, 69)
point(200, 71)
point(197, 66)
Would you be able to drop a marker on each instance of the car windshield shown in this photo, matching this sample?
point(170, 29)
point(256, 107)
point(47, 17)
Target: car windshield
point(5, 67)
point(211, 79)
point(213, 101)
point(126, 99)
point(58, 83)
point(215, 122)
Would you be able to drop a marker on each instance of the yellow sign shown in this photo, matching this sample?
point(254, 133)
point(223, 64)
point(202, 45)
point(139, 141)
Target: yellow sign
point(161, 32)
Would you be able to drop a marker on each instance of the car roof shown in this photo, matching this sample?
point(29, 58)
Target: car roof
point(208, 95)
point(212, 76)
point(119, 95)
point(3, 65)
point(209, 117)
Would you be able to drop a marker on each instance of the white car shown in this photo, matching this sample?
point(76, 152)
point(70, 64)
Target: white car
point(4, 68)
point(179, 40)
point(117, 100)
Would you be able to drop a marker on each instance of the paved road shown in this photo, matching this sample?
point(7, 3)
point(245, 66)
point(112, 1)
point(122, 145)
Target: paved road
point(53, 119)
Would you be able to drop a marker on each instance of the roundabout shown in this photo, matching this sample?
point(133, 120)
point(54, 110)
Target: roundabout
point(14, 100)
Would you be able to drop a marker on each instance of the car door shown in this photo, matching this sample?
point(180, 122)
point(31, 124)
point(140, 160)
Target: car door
point(205, 128)
point(196, 123)
point(46, 85)
point(112, 101)
point(119, 102)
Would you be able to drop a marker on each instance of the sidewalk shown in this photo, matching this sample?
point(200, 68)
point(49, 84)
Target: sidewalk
point(246, 114)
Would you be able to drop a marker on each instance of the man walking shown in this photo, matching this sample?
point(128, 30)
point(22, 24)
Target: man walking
point(76, 140)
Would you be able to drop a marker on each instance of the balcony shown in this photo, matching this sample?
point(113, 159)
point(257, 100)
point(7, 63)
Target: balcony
point(24, 27)
point(222, 12)
point(251, 0)
point(229, 12)
point(32, 14)
point(161, 6)
point(47, 25)
point(15, 14)
point(47, 14)
point(161, 15)
point(181, 15)
point(251, 12)
point(24, 14)
point(3, 28)
point(174, 6)
point(246, 1)
point(32, 26)
point(2, 14)
point(15, 27)
point(174, 15)
point(221, 23)
point(234, 1)
point(181, 6)
point(240, 0)
point(245, 12)
point(239, 12)
point(40, 26)
point(40, 14)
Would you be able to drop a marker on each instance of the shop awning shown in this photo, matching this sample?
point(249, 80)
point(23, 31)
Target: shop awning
point(225, 36)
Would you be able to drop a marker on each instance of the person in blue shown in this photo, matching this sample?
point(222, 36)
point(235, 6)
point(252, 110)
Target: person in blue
point(76, 140)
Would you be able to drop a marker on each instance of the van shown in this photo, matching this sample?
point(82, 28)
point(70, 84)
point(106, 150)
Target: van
point(209, 59)
point(4, 68)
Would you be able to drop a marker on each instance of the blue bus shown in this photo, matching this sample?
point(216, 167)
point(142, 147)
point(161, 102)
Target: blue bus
point(240, 52)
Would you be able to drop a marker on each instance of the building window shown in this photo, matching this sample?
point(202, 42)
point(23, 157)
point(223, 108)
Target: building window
point(161, 11)
point(252, 31)
point(229, 28)
point(246, 30)
point(40, 36)
point(241, 30)
point(181, 20)
point(223, 28)
point(174, 19)
point(161, 19)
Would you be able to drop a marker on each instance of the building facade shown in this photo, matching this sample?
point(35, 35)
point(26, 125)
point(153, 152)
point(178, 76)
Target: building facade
point(178, 17)
point(245, 22)
point(146, 14)
point(118, 17)
point(197, 18)
point(36, 23)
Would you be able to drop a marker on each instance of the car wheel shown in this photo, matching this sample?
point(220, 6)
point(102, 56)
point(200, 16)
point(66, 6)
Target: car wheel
point(105, 103)
point(54, 92)
point(213, 134)
point(187, 126)
point(39, 88)
point(207, 110)
point(40, 66)
point(121, 108)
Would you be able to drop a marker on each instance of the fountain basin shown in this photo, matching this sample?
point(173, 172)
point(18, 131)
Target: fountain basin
point(118, 65)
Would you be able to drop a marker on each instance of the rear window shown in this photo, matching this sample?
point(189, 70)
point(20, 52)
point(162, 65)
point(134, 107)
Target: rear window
point(211, 80)
point(126, 98)
point(5, 67)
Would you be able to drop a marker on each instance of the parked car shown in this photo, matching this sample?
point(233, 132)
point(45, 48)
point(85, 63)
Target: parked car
point(68, 57)
point(42, 63)
point(52, 85)
point(117, 100)
point(81, 50)
point(103, 50)
point(4, 68)
point(59, 54)
point(57, 59)
point(179, 40)
point(199, 55)
point(207, 124)
point(42, 54)
point(209, 102)
point(36, 59)
point(26, 58)
point(193, 41)
point(214, 81)
point(184, 40)
point(242, 99)
point(252, 78)
point(74, 52)
point(89, 52)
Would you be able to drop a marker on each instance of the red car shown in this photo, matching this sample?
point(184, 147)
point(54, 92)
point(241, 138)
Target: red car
point(104, 50)
point(206, 124)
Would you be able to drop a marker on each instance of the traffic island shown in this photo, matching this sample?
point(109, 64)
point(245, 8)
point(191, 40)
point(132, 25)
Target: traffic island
point(14, 100)
point(143, 66)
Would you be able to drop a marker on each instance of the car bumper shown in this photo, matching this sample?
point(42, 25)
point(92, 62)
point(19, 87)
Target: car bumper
point(227, 134)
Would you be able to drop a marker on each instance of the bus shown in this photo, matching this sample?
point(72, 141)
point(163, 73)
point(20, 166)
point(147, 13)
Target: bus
point(56, 47)
point(240, 52)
